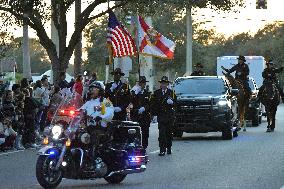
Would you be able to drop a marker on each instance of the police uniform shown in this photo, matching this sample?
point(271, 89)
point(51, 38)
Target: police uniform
point(163, 103)
point(119, 95)
point(242, 72)
point(269, 74)
point(99, 112)
point(198, 72)
point(140, 112)
point(94, 108)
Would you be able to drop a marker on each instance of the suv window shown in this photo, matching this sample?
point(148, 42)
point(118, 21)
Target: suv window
point(199, 86)
point(251, 85)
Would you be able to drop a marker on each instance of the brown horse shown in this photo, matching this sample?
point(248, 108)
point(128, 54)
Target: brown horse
point(242, 98)
point(270, 98)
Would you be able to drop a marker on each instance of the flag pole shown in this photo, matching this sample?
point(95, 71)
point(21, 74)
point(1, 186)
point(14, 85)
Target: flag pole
point(137, 43)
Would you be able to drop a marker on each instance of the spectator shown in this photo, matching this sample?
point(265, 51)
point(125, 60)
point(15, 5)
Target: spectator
point(62, 82)
point(7, 134)
point(19, 123)
point(38, 94)
point(8, 107)
point(45, 102)
point(78, 91)
point(55, 100)
point(29, 117)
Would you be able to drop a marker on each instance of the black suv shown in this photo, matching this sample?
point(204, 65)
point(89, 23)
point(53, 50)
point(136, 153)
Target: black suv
point(254, 111)
point(205, 104)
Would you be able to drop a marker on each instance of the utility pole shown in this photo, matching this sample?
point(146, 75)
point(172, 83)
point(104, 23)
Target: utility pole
point(189, 41)
point(78, 48)
point(26, 51)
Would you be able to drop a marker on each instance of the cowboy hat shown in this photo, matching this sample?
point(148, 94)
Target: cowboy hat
point(241, 57)
point(165, 79)
point(142, 79)
point(117, 71)
point(198, 65)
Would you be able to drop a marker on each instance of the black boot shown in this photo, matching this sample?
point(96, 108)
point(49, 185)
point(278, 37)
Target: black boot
point(169, 150)
point(162, 152)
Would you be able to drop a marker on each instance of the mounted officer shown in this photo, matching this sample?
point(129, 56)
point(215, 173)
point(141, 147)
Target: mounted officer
point(140, 112)
point(242, 72)
point(198, 71)
point(119, 94)
point(269, 74)
point(163, 104)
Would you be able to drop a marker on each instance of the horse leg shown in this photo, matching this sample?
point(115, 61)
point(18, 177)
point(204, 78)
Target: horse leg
point(244, 120)
point(269, 121)
point(273, 119)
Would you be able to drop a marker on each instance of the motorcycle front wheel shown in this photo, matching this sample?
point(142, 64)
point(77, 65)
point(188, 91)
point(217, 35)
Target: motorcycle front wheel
point(46, 176)
point(115, 178)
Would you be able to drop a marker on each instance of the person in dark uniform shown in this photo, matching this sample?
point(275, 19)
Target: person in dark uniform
point(119, 94)
point(140, 111)
point(163, 103)
point(198, 71)
point(269, 74)
point(242, 72)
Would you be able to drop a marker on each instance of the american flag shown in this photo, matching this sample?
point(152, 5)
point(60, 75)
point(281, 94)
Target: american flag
point(120, 40)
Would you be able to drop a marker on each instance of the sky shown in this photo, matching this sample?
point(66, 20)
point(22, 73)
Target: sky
point(248, 19)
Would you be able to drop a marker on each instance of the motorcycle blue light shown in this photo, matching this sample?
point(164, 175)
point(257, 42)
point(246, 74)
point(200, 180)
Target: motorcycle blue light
point(52, 152)
point(134, 159)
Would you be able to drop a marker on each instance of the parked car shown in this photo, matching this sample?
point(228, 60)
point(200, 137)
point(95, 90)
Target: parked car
point(254, 112)
point(205, 104)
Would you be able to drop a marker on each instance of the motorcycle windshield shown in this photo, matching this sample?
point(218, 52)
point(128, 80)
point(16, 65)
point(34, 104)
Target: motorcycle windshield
point(66, 113)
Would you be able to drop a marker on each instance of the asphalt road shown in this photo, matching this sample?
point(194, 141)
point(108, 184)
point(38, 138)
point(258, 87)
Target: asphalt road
point(253, 160)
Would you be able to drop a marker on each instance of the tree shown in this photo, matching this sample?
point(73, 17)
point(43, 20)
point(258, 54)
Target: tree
point(5, 44)
point(37, 12)
point(38, 57)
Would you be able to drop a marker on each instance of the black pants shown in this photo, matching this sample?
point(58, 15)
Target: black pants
point(145, 133)
point(42, 122)
point(165, 125)
point(29, 131)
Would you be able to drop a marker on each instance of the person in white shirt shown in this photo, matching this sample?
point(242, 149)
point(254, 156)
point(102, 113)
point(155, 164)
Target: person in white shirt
point(99, 111)
point(45, 102)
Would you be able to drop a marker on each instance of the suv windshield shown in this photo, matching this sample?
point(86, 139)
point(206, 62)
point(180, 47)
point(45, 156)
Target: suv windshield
point(199, 86)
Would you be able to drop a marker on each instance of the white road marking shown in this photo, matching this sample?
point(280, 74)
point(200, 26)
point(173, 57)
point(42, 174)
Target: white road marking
point(6, 153)
point(282, 187)
point(154, 152)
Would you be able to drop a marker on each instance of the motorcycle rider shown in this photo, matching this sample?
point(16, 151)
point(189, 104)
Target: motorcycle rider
point(269, 74)
point(140, 112)
point(99, 112)
point(119, 94)
point(242, 72)
point(163, 103)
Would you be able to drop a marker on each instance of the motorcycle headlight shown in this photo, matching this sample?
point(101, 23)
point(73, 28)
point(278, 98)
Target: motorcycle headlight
point(56, 131)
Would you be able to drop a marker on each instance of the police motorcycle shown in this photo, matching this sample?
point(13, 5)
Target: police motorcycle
point(68, 152)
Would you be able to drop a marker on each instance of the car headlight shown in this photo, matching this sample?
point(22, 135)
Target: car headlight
point(56, 131)
point(222, 102)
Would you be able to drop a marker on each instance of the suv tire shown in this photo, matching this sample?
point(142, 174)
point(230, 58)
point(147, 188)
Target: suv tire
point(178, 134)
point(227, 134)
